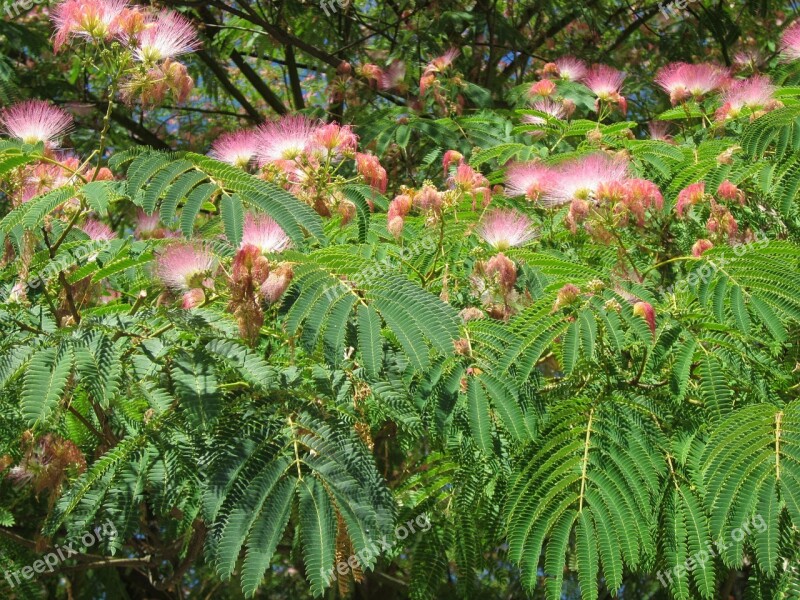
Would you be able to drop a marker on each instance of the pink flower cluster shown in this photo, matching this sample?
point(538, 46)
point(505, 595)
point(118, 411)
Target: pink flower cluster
point(434, 67)
point(287, 143)
point(754, 93)
point(504, 229)
point(594, 185)
point(304, 155)
point(553, 185)
point(467, 181)
point(557, 109)
point(39, 122)
point(153, 38)
point(384, 79)
point(604, 82)
point(721, 222)
point(790, 42)
point(683, 81)
point(35, 121)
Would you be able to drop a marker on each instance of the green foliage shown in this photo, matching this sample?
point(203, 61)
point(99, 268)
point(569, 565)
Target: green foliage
point(586, 412)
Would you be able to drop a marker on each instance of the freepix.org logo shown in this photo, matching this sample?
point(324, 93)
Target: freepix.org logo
point(375, 548)
point(48, 562)
point(19, 7)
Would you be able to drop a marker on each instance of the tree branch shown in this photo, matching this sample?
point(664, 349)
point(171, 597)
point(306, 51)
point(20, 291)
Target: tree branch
point(225, 81)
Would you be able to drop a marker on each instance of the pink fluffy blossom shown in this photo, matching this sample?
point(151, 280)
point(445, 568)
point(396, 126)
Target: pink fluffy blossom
point(543, 88)
point(604, 81)
point(689, 196)
point(334, 141)
point(445, 60)
point(169, 35)
point(450, 157)
point(285, 139)
point(393, 75)
point(683, 81)
point(571, 68)
point(581, 178)
point(264, 233)
point(728, 191)
point(530, 179)
point(555, 109)
point(645, 310)
point(659, 130)
point(700, 246)
point(146, 225)
point(369, 167)
point(752, 93)
point(44, 177)
point(236, 147)
point(790, 42)
point(183, 266)
point(34, 121)
point(97, 230)
point(504, 229)
point(89, 19)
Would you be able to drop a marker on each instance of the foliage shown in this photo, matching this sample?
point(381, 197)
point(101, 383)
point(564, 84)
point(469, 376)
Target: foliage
point(488, 339)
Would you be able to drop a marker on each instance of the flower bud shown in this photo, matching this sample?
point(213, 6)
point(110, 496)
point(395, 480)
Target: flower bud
point(701, 246)
point(645, 310)
point(543, 88)
point(428, 199)
point(471, 313)
point(462, 347)
point(276, 283)
point(504, 269)
point(450, 157)
point(728, 191)
point(566, 296)
point(395, 226)
point(399, 207)
point(347, 210)
point(193, 298)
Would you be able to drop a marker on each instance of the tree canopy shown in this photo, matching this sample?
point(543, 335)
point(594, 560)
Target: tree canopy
point(400, 299)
